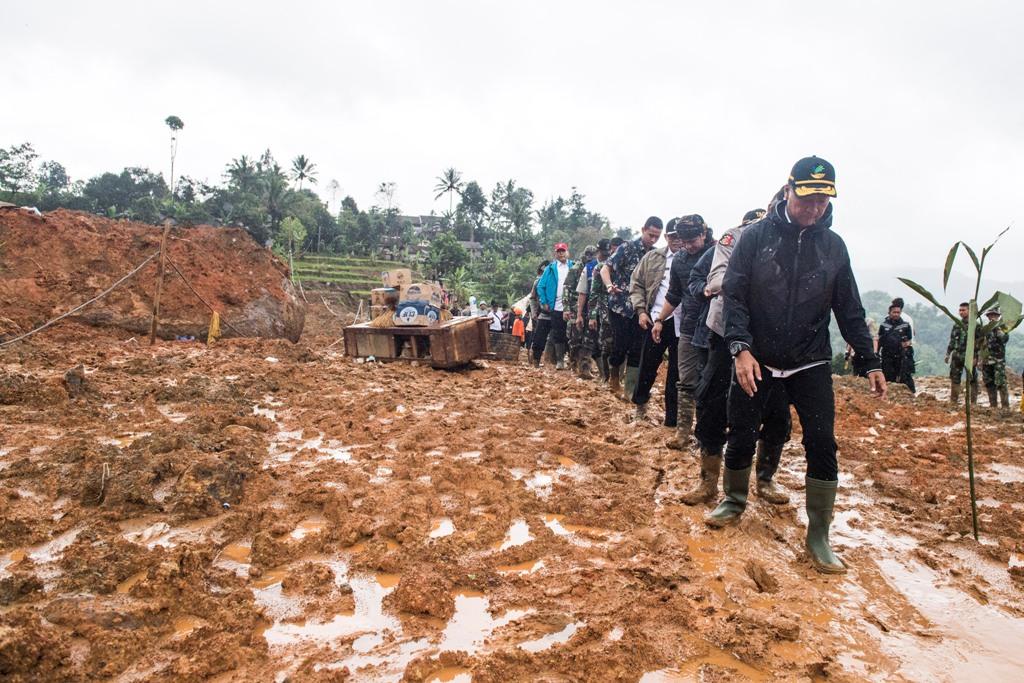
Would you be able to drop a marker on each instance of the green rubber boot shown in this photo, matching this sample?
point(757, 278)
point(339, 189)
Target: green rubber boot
point(737, 485)
point(821, 498)
point(629, 384)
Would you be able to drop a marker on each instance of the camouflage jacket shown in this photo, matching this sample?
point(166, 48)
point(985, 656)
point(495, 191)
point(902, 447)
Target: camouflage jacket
point(995, 344)
point(622, 263)
point(569, 296)
point(597, 302)
point(957, 347)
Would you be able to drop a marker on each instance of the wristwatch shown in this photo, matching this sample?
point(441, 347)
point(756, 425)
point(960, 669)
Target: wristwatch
point(736, 347)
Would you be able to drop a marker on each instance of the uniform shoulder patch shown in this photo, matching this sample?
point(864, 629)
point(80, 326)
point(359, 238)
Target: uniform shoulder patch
point(726, 240)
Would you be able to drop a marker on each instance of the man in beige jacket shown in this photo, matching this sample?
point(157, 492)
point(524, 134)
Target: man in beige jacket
point(647, 288)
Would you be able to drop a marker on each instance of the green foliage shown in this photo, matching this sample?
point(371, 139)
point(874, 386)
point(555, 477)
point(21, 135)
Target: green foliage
point(16, 168)
point(174, 123)
point(446, 256)
point(257, 194)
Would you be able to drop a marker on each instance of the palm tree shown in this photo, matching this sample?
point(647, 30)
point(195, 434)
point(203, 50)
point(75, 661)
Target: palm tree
point(303, 169)
point(175, 124)
point(242, 172)
point(386, 192)
point(448, 182)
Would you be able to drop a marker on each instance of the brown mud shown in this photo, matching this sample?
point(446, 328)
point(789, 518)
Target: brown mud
point(262, 511)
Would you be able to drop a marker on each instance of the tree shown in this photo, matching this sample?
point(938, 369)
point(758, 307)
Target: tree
point(292, 231)
point(386, 194)
point(242, 173)
point(16, 172)
point(303, 169)
point(472, 210)
point(446, 255)
point(333, 188)
point(450, 183)
point(175, 124)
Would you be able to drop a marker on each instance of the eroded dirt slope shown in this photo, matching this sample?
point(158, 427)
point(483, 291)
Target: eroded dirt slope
point(51, 263)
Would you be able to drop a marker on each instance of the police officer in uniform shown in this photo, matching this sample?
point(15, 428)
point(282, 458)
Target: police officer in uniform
point(894, 337)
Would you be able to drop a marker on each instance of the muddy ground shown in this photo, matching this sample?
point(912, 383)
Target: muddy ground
point(259, 510)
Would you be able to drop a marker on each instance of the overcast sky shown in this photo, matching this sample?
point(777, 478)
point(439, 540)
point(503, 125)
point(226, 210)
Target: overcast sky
point(648, 107)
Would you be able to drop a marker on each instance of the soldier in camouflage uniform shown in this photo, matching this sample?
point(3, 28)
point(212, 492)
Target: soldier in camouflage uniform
point(956, 355)
point(600, 327)
point(570, 300)
point(993, 370)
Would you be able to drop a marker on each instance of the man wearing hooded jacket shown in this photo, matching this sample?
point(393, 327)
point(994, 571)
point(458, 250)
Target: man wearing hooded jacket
point(787, 276)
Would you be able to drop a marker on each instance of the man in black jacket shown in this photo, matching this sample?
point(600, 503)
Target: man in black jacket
point(786, 278)
point(894, 338)
point(696, 238)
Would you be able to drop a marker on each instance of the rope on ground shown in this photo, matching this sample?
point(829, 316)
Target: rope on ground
point(328, 307)
point(302, 291)
point(81, 306)
point(212, 309)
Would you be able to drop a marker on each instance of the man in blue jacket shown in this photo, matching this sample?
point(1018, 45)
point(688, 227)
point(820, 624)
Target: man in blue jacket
point(549, 291)
point(787, 277)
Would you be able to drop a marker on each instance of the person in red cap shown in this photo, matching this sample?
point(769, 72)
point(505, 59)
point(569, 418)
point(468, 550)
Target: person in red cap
point(549, 292)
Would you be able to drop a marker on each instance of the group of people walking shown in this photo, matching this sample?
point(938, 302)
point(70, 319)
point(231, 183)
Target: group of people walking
point(743, 321)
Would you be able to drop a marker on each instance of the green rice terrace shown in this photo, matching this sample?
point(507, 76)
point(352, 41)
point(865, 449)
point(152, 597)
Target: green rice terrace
point(343, 274)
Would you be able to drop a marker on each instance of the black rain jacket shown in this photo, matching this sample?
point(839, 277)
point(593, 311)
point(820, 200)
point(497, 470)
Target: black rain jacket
point(782, 287)
point(678, 293)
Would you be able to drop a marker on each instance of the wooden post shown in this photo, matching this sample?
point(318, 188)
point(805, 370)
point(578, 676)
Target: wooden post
point(159, 285)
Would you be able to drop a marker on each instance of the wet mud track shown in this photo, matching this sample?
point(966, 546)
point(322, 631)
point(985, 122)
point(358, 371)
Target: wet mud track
point(261, 511)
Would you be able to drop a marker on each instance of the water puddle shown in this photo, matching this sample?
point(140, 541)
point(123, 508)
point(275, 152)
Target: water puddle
point(552, 639)
point(270, 577)
point(1007, 474)
point(472, 623)
point(560, 527)
point(185, 625)
point(518, 534)
point(125, 586)
point(44, 553)
point(150, 532)
point(450, 674)
point(690, 670)
point(469, 455)
point(441, 527)
point(368, 619)
point(237, 552)
point(980, 641)
point(527, 567)
point(171, 414)
point(568, 463)
point(122, 440)
point(308, 527)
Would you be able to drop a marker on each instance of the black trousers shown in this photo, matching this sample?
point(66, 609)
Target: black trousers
point(712, 403)
point(810, 392)
point(541, 329)
point(555, 327)
point(627, 342)
point(898, 367)
point(651, 355)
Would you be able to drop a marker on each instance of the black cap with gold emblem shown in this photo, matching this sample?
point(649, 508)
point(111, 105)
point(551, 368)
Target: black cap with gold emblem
point(813, 175)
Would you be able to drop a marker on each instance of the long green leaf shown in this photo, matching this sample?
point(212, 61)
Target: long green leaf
point(950, 257)
point(974, 257)
point(1010, 309)
point(989, 303)
point(928, 295)
point(972, 328)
